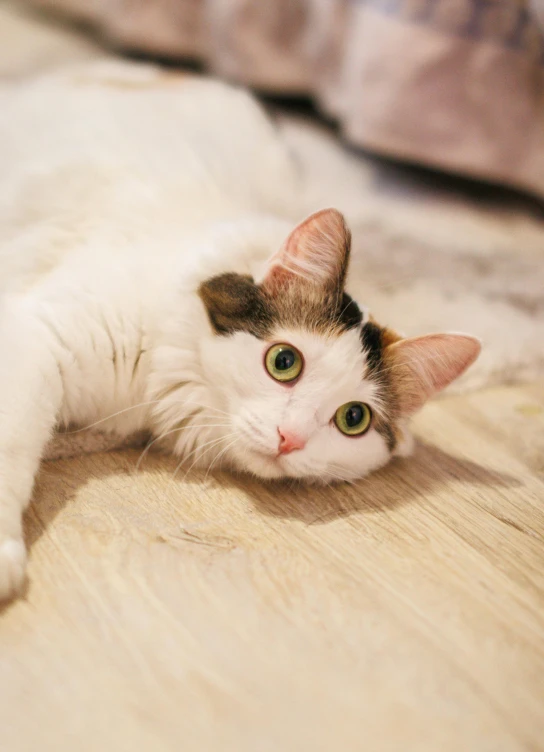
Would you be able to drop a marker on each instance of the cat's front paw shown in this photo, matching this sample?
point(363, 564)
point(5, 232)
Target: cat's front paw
point(12, 567)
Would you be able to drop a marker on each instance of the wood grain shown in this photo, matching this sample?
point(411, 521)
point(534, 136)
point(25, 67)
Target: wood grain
point(402, 613)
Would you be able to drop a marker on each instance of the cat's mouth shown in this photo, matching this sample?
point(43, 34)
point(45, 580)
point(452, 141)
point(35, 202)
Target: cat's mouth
point(269, 464)
point(252, 453)
point(273, 457)
point(266, 464)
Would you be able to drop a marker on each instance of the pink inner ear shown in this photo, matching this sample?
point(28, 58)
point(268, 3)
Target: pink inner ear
point(316, 251)
point(422, 366)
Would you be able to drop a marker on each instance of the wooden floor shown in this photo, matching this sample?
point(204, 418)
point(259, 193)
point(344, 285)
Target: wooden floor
point(403, 613)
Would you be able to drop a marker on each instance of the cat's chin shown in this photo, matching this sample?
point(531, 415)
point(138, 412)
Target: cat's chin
point(270, 467)
point(263, 465)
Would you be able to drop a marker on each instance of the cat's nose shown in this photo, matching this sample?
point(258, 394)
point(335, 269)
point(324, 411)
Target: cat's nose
point(289, 442)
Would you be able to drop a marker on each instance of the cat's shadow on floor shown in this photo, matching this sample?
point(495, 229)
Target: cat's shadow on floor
point(404, 481)
point(431, 472)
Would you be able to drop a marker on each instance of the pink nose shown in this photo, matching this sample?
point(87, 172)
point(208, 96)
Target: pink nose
point(289, 442)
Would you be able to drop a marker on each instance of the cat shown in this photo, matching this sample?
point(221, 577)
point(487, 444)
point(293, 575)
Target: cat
point(157, 275)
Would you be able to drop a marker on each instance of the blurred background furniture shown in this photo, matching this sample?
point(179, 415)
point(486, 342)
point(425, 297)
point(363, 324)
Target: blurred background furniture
point(452, 84)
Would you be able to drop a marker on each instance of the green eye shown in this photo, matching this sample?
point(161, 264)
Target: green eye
point(353, 418)
point(283, 362)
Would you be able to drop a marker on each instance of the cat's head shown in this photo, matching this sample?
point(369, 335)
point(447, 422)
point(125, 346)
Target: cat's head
point(312, 388)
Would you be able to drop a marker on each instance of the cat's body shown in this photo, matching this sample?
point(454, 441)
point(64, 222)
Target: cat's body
point(136, 209)
point(99, 224)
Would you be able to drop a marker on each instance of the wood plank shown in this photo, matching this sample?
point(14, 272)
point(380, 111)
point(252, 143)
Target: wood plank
point(403, 612)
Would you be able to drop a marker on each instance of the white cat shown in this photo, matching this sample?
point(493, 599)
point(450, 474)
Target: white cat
point(150, 272)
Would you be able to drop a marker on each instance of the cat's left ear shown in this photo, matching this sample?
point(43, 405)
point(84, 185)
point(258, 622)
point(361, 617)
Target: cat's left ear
point(420, 367)
point(316, 253)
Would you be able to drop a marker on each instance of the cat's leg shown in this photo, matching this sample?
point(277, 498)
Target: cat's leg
point(30, 398)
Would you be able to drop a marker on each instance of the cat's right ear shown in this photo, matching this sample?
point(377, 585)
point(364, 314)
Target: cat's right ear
point(316, 253)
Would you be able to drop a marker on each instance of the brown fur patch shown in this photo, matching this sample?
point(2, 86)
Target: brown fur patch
point(388, 431)
point(389, 337)
point(287, 298)
point(235, 303)
point(375, 340)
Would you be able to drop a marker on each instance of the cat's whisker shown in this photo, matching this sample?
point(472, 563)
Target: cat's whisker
point(340, 478)
point(199, 447)
point(215, 409)
point(295, 482)
point(108, 417)
point(198, 457)
point(196, 404)
point(142, 404)
point(176, 430)
point(210, 444)
point(225, 438)
point(221, 453)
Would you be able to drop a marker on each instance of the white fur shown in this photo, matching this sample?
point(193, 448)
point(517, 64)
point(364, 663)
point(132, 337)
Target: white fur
point(113, 207)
